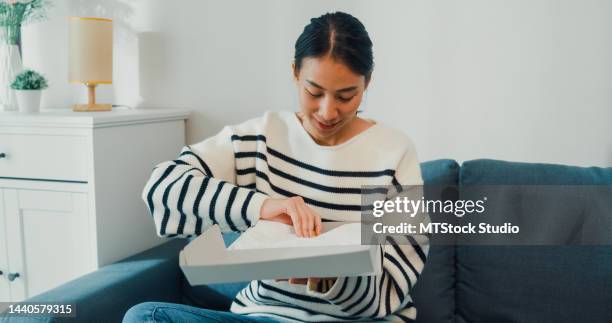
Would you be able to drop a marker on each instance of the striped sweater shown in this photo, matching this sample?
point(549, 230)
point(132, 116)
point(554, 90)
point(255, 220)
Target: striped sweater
point(225, 179)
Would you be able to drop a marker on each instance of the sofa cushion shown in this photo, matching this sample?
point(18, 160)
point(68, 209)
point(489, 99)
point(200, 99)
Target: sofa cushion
point(434, 292)
point(546, 283)
point(440, 171)
point(497, 172)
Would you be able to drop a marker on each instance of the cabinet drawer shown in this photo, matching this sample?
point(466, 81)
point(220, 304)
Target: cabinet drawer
point(46, 157)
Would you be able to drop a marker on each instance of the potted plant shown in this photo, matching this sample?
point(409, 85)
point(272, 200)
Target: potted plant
point(28, 86)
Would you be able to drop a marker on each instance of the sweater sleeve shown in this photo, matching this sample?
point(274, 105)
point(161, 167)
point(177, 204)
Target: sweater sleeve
point(187, 195)
point(402, 262)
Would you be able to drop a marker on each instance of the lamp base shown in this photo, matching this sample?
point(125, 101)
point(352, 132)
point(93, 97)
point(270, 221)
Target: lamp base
point(91, 107)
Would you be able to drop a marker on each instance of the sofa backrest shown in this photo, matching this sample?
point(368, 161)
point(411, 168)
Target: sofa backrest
point(548, 283)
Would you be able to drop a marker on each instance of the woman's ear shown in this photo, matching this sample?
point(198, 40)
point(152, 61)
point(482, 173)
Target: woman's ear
point(367, 81)
point(295, 73)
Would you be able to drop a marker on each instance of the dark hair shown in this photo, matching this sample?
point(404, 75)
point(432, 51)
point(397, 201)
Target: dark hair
point(340, 35)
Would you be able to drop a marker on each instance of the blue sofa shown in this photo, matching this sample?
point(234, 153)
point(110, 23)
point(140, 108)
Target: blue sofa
point(460, 283)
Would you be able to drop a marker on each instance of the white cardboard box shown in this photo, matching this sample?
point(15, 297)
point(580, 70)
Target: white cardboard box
point(206, 260)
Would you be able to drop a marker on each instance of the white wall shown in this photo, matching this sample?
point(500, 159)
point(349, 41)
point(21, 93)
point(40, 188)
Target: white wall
point(516, 80)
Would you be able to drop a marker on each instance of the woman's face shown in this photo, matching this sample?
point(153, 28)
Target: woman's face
point(330, 94)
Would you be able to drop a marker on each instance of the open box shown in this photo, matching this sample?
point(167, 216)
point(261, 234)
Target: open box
point(206, 260)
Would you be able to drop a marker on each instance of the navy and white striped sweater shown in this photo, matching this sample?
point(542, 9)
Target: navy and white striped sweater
point(225, 179)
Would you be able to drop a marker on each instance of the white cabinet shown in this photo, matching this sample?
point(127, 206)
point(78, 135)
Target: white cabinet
point(45, 238)
point(5, 293)
point(70, 186)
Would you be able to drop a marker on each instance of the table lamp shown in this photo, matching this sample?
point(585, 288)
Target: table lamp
point(91, 57)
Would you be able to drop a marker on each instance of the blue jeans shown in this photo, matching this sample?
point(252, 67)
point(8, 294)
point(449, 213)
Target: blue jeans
point(156, 312)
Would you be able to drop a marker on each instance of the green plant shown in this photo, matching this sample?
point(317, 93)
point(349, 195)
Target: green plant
point(29, 80)
point(17, 12)
point(14, 13)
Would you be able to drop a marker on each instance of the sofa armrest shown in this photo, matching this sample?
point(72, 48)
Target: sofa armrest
point(107, 293)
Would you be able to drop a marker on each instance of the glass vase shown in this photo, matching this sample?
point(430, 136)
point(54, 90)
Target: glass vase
point(10, 65)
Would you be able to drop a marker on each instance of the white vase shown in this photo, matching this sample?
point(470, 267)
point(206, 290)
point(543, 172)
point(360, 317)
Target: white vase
point(28, 100)
point(10, 66)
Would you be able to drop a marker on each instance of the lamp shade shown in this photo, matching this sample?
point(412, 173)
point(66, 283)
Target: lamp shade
point(91, 50)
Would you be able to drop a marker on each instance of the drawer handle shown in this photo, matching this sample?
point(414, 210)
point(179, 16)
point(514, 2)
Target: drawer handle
point(13, 276)
point(2, 155)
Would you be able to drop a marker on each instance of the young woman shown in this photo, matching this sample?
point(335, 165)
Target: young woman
point(297, 168)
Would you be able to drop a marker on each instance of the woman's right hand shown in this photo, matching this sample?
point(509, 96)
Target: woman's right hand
point(306, 222)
